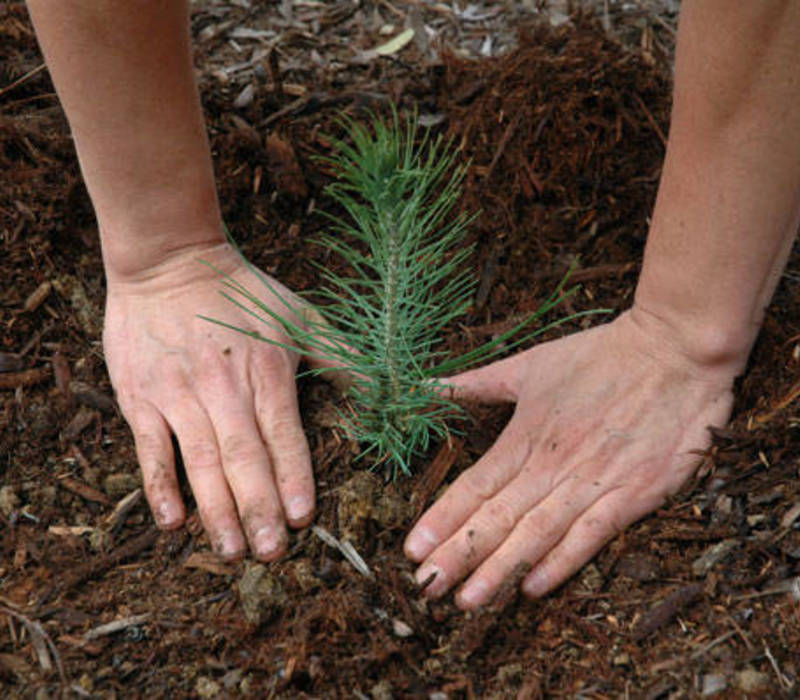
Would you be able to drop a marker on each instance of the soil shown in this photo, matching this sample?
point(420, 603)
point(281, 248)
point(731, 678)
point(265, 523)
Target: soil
point(564, 129)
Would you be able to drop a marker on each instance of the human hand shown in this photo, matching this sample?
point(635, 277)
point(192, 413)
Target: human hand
point(230, 402)
point(606, 426)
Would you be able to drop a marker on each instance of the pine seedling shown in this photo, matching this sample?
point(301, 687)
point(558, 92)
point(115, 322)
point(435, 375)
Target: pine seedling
point(383, 324)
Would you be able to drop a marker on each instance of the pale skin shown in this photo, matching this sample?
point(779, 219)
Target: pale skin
point(607, 421)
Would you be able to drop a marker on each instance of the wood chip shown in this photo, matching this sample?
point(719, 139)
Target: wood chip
point(10, 362)
point(669, 608)
point(346, 548)
point(83, 490)
point(115, 626)
point(70, 530)
point(80, 421)
point(790, 516)
point(123, 508)
point(210, 562)
point(36, 299)
point(435, 474)
point(13, 380)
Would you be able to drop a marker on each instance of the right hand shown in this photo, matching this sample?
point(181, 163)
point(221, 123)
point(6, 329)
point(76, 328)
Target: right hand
point(229, 400)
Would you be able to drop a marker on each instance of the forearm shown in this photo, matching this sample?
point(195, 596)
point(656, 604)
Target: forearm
point(124, 74)
point(728, 205)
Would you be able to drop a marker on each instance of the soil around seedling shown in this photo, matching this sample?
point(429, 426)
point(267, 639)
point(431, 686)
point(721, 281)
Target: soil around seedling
point(565, 137)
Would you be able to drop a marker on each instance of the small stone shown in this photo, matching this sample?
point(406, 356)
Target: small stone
point(401, 629)
point(121, 484)
point(357, 499)
point(49, 494)
point(381, 691)
point(622, 659)
point(303, 571)
point(749, 680)
point(432, 666)
point(261, 593)
point(9, 501)
point(86, 682)
point(510, 674)
point(246, 686)
point(724, 506)
point(206, 687)
point(232, 678)
point(713, 683)
point(392, 510)
point(99, 540)
point(591, 578)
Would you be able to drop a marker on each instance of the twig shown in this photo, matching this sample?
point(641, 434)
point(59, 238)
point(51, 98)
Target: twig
point(129, 549)
point(41, 643)
point(782, 679)
point(346, 548)
point(651, 120)
point(504, 139)
point(435, 474)
point(83, 490)
point(30, 74)
point(121, 511)
point(115, 626)
point(715, 642)
point(14, 380)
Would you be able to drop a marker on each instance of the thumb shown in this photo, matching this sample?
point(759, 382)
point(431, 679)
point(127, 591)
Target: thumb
point(337, 372)
point(498, 382)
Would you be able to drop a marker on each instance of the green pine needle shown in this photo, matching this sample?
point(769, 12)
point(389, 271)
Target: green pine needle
point(383, 325)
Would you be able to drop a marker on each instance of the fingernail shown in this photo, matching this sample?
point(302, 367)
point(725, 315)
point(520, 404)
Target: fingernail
point(474, 593)
point(434, 576)
point(167, 514)
point(298, 508)
point(228, 545)
point(536, 584)
point(420, 543)
point(268, 541)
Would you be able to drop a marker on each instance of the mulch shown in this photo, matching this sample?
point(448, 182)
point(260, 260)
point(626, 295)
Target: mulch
point(563, 126)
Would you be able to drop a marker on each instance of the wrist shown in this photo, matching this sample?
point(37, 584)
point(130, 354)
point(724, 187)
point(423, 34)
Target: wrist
point(717, 345)
point(153, 227)
point(180, 268)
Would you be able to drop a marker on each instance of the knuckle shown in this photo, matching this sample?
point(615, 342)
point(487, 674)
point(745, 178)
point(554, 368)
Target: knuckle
point(201, 456)
point(272, 362)
point(540, 526)
point(500, 515)
point(282, 425)
point(150, 447)
point(241, 449)
point(481, 483)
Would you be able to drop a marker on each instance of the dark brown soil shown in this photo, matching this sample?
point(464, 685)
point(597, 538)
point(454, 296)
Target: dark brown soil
point(565, 136)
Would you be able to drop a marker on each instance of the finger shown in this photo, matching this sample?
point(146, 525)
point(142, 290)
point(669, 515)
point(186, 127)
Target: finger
point(469, 492)
point(154, 452)
point(249, 474)
point(278, 417)
point(587, 536)
point(498, 382)
point(533, 536)
point(475, 540)
point(200, 452)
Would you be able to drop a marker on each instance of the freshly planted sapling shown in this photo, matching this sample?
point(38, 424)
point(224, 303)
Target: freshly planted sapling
point(383, 324)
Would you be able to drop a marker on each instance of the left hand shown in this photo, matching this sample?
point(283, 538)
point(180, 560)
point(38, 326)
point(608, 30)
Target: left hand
point(607, 424)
